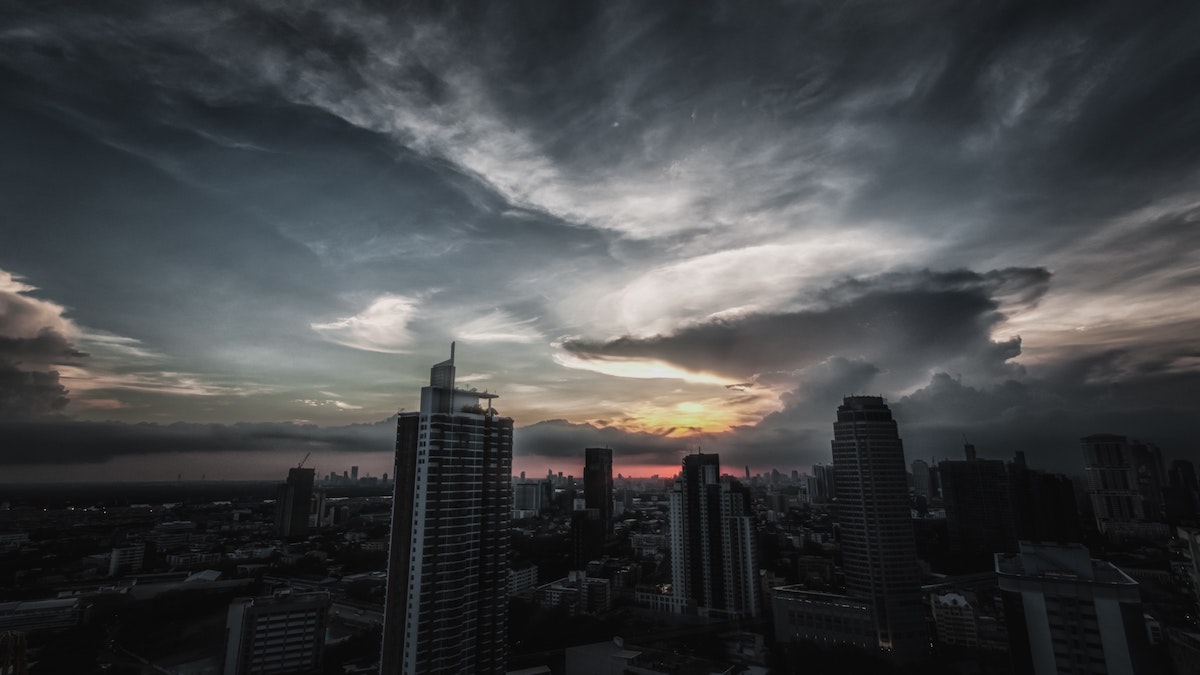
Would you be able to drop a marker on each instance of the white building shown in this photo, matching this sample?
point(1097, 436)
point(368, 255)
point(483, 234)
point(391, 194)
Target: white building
point(1079, 615)
point(283, 633)
point(446, 605)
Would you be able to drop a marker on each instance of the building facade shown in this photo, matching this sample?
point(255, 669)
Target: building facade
point(294, 503)
point(879, 550)
point(1069, 613)
point(598, 484)
point(714, 563)
point(283, 633)
point(446, 602)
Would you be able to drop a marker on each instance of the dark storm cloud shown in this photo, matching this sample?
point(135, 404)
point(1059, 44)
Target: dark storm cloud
point(47, 345)
point(560, 440)
point(1047, 414)
point(74, 442)
point(29, 394)
point(906, 322)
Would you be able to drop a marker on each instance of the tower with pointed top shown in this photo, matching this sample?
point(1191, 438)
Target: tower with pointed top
point(446, 603)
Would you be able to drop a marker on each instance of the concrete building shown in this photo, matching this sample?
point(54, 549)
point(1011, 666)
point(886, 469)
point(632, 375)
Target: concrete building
point(879, 551)
point(294, 503)
point(281, 633)
point(577, 594)
point(126, 560)
point(979, 513)
point(1114, 489)
point(714, 562)
point(1068, 613)
point(446, 603)
point(921, 479)
point(598, 484)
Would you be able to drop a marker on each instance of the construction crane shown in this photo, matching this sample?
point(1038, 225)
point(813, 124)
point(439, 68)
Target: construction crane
point(301, 464)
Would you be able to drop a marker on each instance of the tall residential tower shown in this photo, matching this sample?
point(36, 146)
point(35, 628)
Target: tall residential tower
point(714, 562)
point(446, 605)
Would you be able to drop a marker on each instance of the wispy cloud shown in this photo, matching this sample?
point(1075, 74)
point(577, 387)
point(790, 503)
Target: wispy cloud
point(381, 327)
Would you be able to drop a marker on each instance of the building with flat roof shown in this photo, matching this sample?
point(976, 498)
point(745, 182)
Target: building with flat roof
point(1069, 613)
point(281, 633)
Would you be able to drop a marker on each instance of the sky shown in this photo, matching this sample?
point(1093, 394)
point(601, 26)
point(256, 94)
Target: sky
point(232, 234)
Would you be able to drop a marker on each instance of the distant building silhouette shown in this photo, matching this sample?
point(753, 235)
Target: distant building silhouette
point(922, 482)
point(283, 633)
point(1044, 504)
point(714, 559)
point(293, 504)
point(446, 605)
point(879, 550)
point(1113, 486)
point(598, 484)
point(979, 512)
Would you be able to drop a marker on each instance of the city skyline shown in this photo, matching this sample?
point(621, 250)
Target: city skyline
point(234, 236)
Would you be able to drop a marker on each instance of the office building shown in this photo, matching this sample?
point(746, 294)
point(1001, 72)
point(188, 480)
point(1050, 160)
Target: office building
point(293, 504)
point(126, 560)
point(879, 551)
point(281, 633)
point(921, 479)
point(714, 566)
point(1068, 613)
point(446, 602)
point(979, 512)
point(1114, 489)
point(598, 484)
point(1043, 504)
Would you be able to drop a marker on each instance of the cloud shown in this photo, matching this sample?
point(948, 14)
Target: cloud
point(26, 395)
point(498, 326)
point(381, 327)
point(903, 323)
point(71, 442)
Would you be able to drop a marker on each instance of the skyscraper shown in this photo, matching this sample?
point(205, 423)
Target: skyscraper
point(294, 503)
point(1113, 486)
point(714, 562)
point(879, 550)
point(979, 511)
point(446, 604)
point(598, 484)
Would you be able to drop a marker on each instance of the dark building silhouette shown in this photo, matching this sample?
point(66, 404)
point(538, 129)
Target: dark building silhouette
point(979, 511)
point(294, 503)
point(1044, 504)
point(446, 601)
point(598, 484)
point(1117, 497)
point(1182, 495)
point(714, 561)
point(587, 537)
point(879, 551)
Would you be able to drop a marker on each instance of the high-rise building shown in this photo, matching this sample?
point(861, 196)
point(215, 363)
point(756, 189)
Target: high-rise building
point(979, 511)
point(283, 633)
point(714, 563)
point(921, 478)
point(1114, 489)
point(294, 503)
point(354, 473)
point(879, 550)
point(1068, 613)
point(598, 484)
point(446, 603)
point(1044, 504)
